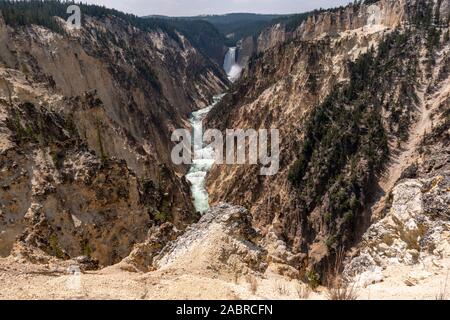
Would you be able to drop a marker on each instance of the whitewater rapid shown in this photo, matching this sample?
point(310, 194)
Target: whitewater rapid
point(204, 155)
point(203, 159)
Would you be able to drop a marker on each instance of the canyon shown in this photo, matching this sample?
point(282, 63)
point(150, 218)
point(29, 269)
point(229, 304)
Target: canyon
point(84, 115)
point(362, 105)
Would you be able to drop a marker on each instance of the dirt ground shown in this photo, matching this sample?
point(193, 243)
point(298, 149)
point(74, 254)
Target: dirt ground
point(21, 280)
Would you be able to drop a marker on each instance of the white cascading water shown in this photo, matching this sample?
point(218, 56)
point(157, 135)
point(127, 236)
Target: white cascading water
point(203, 160)
point(231, 67)
point(204, 155)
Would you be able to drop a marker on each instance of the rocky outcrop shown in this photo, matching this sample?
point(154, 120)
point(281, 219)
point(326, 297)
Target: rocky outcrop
point(267, 39)
point(279, 90)
point(245, 49)
point(143, 255)
point(223, 240)
point(375, 14)
point(61, 198)
point(386, 13)
point(416, 230)
point(324, 23)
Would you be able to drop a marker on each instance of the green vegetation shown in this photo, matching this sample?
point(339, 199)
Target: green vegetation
point(313, 279)
point(346, 143)
point(241, 25)
point(202, 34)
point(294, 21)
point(55, 249)
point(30, 126)
point(235, 18)
point(36, 125)
point(86, 248)
point(42, 12)
point(23, 134)
point(21, 13)
point(423, 18)
point(58, 157)
point(330, 242)
point(158, 197)
point(238, 26)
point(145, 70)
point(160, 217)
point(234, 26)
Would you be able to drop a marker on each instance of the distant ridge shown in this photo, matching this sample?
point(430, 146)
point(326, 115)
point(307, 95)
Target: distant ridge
point(234, 26)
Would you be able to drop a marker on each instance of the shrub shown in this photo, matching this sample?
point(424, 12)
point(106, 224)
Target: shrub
point(442, 295)
point(339, 288)
point(303, 291)
point(253, 283)
point(282, 288)
point(313, 279)
point(54, 247)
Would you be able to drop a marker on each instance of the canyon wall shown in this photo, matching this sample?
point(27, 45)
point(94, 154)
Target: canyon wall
point(347, 96)
point(87, 117)
point(322, 23)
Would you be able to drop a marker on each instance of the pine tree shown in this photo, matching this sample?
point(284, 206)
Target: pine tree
point(447, 37)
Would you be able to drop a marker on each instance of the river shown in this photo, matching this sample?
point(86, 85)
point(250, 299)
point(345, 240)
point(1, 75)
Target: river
point(204, 155)
point(203, 159)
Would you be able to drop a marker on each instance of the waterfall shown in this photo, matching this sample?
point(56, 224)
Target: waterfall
point(231, 67)
point(230, 60)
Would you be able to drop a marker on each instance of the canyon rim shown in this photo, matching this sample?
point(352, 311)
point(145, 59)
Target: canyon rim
point(315, 161)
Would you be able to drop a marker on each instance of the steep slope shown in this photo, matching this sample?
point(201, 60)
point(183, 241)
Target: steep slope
point(203, 35)
point(347, 96)
point(413, 230)
point(274, 32)
point(87, 117)
point(310, 25)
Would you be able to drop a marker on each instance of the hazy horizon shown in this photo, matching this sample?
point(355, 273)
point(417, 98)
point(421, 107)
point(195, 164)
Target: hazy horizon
point(177, 8)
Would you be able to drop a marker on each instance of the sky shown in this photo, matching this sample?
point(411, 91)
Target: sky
point(198, 7)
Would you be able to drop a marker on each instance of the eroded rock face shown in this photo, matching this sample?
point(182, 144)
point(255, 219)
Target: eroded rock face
point(85, 124)
point(279, 90)
point(386, 13)
point(283, 87)
point(143, 254)
point(59, 197)
point(389, 14)
point(280, 258)
point(328, 23)
point(223, 239)
point(126, 90)
point(415, 230)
